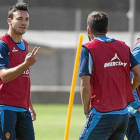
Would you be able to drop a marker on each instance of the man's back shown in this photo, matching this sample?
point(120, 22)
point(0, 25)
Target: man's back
point(105, 82)
point(111, 62)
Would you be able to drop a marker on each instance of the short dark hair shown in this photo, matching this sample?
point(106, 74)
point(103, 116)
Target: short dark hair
point(16, 7)
point(97, 22)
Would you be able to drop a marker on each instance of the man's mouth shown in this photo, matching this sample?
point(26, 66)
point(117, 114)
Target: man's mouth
point(23, 28)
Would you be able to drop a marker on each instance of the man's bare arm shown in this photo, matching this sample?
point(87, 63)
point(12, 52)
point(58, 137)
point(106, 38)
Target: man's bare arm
point(10, 74)
point(85, 92)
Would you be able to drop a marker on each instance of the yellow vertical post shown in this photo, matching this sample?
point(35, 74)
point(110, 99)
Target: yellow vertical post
point(71, 98)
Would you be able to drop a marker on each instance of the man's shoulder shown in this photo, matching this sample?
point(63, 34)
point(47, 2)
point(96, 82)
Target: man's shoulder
point(2, 43)
point(3, 40)
point(86, 44)
point(3, 37)
point(137, 45)
point(120, 41)
point(122, 44)
point(90, 44)
point(136, 49)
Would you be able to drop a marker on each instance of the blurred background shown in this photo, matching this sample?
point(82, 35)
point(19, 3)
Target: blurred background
point(55, 26)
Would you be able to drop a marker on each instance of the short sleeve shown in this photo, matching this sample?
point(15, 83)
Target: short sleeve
point(133, 61)
point(136, 52)
point(86, 63)
point(4, 55)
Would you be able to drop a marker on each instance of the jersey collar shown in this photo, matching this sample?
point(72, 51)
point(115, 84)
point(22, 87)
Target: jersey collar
point(104, 39)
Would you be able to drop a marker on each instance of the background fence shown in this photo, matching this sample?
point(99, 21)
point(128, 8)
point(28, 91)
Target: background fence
point(55, 26)
point(63, 14)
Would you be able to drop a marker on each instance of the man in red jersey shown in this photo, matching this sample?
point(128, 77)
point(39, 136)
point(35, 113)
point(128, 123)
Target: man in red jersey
point(106, 89)
point(16, 110)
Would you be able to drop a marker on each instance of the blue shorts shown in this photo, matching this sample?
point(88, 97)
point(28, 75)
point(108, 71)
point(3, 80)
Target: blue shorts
point(133, 130)
point(105, 127)
point(16, 125)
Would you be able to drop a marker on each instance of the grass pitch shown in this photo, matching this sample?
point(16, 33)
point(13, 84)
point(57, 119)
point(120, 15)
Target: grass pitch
point(51, 122)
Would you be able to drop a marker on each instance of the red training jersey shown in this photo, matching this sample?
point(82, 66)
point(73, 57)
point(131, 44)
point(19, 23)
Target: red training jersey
point(16, 92)
point(110, 81)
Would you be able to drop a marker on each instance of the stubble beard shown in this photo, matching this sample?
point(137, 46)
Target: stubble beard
point(18, 32)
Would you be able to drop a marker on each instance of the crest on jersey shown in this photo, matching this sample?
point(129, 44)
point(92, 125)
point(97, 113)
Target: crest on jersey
point(117, 62)
point(7, 135)
point(115, 57)
point(14, 50)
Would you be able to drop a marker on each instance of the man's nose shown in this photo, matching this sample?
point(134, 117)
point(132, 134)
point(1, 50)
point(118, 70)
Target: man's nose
point(24, 22)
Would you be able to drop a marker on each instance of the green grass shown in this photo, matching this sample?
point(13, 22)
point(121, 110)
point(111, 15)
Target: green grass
point(51, 122)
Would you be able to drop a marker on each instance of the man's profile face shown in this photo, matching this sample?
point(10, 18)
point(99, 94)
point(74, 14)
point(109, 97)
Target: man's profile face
point(20, 22)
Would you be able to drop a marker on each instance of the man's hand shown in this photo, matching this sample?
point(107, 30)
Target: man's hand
point(31, 57)
point(86, 115)
point(33, 114)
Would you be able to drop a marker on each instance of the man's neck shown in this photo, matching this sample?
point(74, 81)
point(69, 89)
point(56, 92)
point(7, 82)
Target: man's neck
point(15, 37)
point(97, 35)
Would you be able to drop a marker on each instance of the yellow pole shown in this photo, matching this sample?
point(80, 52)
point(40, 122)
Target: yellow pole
point(71, 98)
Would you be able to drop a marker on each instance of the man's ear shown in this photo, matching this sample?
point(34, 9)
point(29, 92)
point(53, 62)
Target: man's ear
point(88, 30)
point(9, 21)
